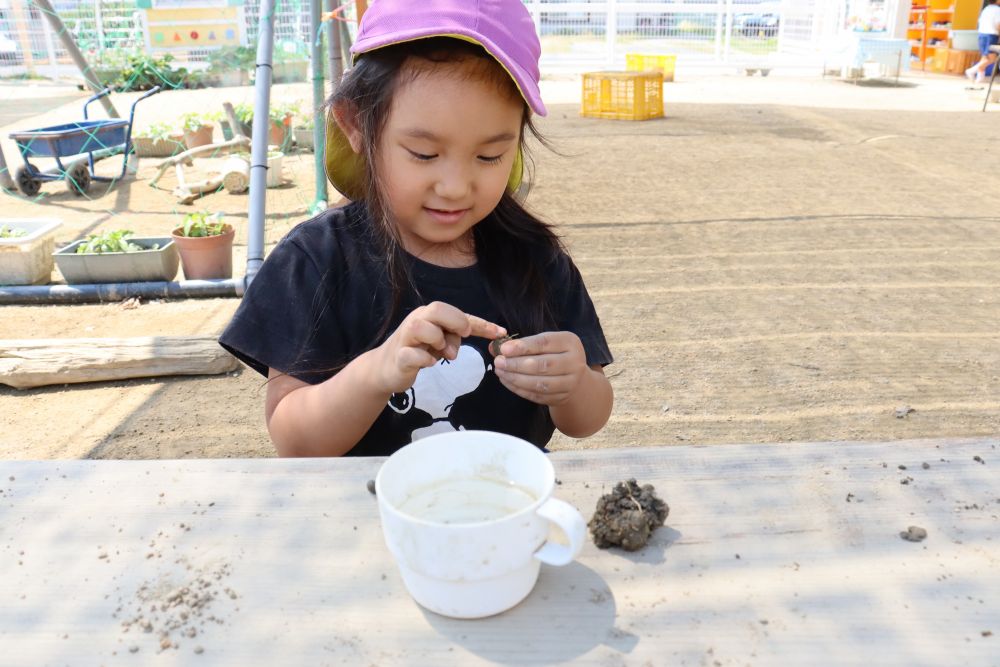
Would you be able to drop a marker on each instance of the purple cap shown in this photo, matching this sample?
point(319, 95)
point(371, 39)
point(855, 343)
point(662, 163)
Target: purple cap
point(503, 27)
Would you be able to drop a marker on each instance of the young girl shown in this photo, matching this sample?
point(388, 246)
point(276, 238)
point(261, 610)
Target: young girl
point(373, 322)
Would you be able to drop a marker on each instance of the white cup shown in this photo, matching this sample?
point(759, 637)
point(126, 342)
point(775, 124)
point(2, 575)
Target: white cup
point(467, 516)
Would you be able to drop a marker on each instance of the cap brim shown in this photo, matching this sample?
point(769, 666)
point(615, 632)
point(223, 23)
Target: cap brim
point(344, 168)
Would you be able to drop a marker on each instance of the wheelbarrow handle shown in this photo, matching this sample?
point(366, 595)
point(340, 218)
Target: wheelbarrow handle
point(152, 91)
point(97, 96)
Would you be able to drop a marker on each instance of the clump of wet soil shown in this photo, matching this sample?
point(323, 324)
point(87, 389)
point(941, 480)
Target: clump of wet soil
point(497, 342)
point(627, 516)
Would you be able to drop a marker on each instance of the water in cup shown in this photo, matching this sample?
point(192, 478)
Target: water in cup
point(466, 500)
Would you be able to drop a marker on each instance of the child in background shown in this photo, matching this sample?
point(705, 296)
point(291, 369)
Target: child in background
point(373, 322)
point(989, 35)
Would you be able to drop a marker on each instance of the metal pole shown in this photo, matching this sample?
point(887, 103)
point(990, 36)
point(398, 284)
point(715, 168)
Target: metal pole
point(333, 46)
point(74, 52)
point(610, 32)
point(719, 13)
point(50, 47)
point(729, 30)
point(345, 42)
point(99, 25)
point(6, 181)
point(319, 128)
point(110, 292)
point(258, 145)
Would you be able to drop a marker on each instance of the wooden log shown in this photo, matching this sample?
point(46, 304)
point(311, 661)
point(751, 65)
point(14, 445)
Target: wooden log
point(236, 175)
point(235, 142)
point(192, 191)
point(234, 122)
point(36, 363)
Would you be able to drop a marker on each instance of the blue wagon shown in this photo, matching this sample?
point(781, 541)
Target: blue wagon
point(97, 139)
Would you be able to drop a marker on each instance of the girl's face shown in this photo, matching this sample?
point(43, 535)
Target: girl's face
point(445, 156)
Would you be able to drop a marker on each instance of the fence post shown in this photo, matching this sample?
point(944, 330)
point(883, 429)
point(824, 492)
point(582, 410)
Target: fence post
point(611, 31)
point(719, 13)
point(22, 27)
point(99, 25)
point(334, 53)
point(50, 48)
point(729, 30)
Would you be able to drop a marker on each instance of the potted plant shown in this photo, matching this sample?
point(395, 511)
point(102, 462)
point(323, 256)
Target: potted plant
point(158, 140)
point(118, 257)
point(206, 246)
point(244, 116)
point(281, 116)
point(231, 66)
point(198, 129)
point(26, 250)
point(303, 133)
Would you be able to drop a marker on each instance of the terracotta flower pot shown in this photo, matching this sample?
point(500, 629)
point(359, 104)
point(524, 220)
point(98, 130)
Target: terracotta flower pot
point(280, 134)
point(200, 137)
point(206, 257)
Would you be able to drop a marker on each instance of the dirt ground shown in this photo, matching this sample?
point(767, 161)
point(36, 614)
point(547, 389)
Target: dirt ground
point(763, 272)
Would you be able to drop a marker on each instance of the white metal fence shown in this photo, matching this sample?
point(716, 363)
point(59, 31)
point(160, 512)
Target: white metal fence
point(99, 26)
point(575, 34)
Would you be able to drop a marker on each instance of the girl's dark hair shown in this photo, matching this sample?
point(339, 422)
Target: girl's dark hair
point(513, 247)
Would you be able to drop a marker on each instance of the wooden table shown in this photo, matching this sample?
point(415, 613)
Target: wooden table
point(772, 554)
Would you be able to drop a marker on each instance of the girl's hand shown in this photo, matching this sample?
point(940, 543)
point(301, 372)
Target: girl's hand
point(428, 334)
point(546, 368)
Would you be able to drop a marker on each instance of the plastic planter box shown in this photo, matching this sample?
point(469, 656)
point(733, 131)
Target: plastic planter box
point(27, 260)
point(120, 267)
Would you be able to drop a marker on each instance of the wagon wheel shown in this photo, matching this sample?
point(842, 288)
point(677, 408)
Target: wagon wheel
point(26, 182)
point(78, 178)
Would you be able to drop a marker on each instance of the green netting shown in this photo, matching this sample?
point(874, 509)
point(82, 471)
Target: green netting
point(195, 78)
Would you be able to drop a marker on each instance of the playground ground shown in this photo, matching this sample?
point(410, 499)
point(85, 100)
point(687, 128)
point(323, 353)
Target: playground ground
point(780, 259)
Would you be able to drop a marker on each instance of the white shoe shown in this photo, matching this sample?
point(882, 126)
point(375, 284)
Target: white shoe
point(980, 78)
point(971, 73)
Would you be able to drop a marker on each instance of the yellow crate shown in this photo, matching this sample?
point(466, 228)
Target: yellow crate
point(638, 62)
point(622, 95)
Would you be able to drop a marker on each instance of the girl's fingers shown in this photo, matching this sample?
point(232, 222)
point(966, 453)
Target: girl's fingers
point(484, 328)
point(452, 319)
point(415, 358)
point(541, 364)
point(421, 332)
point(540, 397)
point(537, 384)
point(548, 342)
point(452, 342)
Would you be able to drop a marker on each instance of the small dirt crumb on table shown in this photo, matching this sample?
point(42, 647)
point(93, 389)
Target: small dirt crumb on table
point(913, 534)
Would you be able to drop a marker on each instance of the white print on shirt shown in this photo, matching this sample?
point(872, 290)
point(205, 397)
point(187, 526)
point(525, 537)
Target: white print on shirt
point(437, 387)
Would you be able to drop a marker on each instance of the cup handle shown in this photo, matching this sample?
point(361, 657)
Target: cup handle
point(571, 522)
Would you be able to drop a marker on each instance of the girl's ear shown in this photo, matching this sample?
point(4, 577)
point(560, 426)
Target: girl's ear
point(347, 117)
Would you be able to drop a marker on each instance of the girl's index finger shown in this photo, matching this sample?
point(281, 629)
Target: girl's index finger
point(484, 328)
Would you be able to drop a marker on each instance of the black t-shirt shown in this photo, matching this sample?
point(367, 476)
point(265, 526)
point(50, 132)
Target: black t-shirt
point(319, 301)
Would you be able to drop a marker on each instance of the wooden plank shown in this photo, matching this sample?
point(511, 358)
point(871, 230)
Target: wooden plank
point(818, 580)
point(36, 363)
